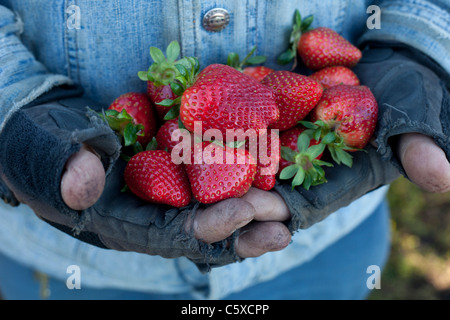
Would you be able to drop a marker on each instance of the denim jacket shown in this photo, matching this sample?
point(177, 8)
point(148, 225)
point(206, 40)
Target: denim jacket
point(101, 46)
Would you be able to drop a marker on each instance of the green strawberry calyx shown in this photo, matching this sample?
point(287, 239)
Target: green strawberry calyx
point(162, 71)
point(233, 60)
point(299, 27)
point(326, 133)
point(169, 70)
point(306, 169)
point(124, 125)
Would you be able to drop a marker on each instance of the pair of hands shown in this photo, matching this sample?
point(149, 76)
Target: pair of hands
point(259, 214)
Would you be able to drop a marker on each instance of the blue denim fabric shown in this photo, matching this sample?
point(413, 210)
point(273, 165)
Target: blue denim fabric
point(40, 49)
point(338, 272)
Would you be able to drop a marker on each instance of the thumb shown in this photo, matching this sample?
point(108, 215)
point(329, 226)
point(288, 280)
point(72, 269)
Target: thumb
point(83, 179)
point(425, 162)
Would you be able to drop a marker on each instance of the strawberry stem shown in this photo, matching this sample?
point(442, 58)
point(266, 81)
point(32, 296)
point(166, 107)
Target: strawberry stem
point(306, 169)
point(327, 135)
point(233, 60)
point(299, 27)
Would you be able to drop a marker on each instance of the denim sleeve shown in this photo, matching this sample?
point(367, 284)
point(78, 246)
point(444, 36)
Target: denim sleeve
point(22, 77)
point(421, 24)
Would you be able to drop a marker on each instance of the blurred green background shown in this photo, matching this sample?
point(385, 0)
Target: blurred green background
point(419, 263)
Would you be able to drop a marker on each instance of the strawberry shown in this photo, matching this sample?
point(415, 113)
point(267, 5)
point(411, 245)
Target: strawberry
point(224, 98)
point(131, 115)
point(153, 177)
point(164, 135)
point(300, 158)
point(249, 64)
point(323, 47)
point(219, 172)
point(296, 95)
point(160, 75)
point(332, 76)
point(344, 120)
point(318, 48)
point(157, 94)
point(258, 72)
point(268, 157)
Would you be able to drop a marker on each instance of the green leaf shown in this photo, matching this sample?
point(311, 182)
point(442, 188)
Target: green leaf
point(173, 113)
point(182, 70)
point(306, 23)
point(143, 75)
point(177, 88)
point(166, 103)
point(157, 55)
point(307, 181)
point(233, 60)
point(256, 60)
point(130, 134)
point(344, 157)
point(299, 178)
point(152, 145)
point(329, 138)
point(288, 154)
point(173, 51)
point(286, 57)
point(303, 142)
point(289, 172)
point(315, 150)
point(308, 124)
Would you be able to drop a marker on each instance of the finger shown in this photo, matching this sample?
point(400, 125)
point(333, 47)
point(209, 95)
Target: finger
point(220, 220)
point(425, 162)
point(269, 206)
point(261, 237)
point(83, 180)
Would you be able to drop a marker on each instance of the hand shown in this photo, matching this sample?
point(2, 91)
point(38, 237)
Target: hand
point(259, 213)
point(424, 162)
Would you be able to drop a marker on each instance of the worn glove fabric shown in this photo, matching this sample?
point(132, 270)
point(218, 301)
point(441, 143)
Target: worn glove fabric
point(411, 98)
point(38, 141)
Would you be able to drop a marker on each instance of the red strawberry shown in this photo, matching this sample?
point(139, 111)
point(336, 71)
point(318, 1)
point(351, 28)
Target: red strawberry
point(268, 159)
point(296, 95)
point(132, 116)
point(213, 178)
point(300, 158)
point(323, 47)
point(157, 94)
point(164, 135)
point(258, 72)
point(153, 177)
point(223, 98)
point(318, 48)
point(332, 76)
point(345, 118)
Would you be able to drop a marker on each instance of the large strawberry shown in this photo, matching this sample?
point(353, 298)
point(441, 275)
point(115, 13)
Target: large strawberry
point(219, 172)
point(224, 98)
point(153, 177)
point(332, 76)
point(300, 158)
point(132, 116)
point(344, 120)
point(318, 48)
point(296, 95)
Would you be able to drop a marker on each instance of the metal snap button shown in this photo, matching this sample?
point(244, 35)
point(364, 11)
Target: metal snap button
point(216, 19)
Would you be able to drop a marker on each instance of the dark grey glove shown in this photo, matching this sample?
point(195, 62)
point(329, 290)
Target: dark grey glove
point(40, 138)
point(411, 98)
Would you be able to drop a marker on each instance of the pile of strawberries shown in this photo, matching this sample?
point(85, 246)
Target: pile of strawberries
point(174, 134)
